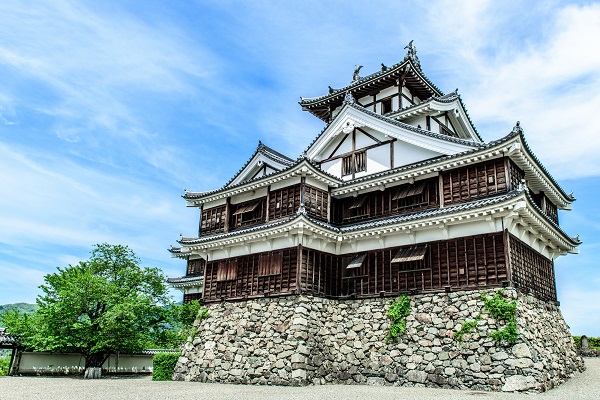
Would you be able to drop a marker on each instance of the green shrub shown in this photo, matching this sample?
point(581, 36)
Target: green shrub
point(397, 313)
point(163, 366)
point(467, 327)
point(4, 364)
point(503, 310)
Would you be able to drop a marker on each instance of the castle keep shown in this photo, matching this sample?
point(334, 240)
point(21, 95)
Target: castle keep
point(297, 259)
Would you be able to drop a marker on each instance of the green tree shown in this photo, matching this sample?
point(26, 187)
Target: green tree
point(104, 305)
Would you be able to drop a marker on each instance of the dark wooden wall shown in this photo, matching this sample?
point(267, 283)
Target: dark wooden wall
point(466, 263)
point(284, 202)
point(191, 296)
point(531, 272)
point(385, 203)
point(195, 267)
point(213, 220)
point(470, 262)
point(248, 276)
point(477, 180)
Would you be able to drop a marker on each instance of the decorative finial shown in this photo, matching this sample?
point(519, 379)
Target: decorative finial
point(383, 67)
point(522, 186)
point(356, 76)
point(517, 128)
point(571, 194)
point(577, 238)
point(411, 55)
point(331, 90)
point(348, 98)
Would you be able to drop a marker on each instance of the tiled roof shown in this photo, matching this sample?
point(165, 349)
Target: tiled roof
point(401, 125)
point(185, 279)
point(391, 220)
point(447, 98)
point(196, 195)
point(428, 161)
point(268, 153)
point(6, 339)
point(358, 83)
point(361, 225)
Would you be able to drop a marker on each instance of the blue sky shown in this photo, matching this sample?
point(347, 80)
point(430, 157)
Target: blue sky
point(109, 110)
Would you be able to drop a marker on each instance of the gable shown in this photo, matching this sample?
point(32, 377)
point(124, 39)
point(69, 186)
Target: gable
point(264, 161)
point(359, 143)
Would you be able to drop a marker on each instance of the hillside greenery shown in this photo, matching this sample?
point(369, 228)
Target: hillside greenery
point(20, 307)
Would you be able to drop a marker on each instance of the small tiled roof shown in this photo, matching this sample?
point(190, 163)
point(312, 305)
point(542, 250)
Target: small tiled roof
point(401, 125)
point(183, 279)
point(268, 153)
point(417, 130)
point(196, 195)
point(6, 339)
point(447, 98)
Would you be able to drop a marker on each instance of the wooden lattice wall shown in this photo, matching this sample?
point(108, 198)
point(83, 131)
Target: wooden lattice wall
point(252, 275)
point(531, 272)
point(473, 181)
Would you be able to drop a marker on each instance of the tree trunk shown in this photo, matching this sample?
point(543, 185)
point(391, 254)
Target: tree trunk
point(93, 365)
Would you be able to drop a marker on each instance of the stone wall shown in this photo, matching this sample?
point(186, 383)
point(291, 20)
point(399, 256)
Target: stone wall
point(301, 340)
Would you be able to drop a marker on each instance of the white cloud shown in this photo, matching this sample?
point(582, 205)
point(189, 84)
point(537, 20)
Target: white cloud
point(548, 83)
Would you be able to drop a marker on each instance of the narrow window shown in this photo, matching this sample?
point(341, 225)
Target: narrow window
point(386, 105)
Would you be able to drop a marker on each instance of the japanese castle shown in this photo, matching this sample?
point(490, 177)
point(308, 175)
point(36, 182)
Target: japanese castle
point(397, 194)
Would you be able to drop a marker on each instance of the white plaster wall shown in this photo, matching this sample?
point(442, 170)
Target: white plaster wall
point(406, 153)
point(315, 183)
point(285, 183)
point(212, 204)
point(249, 195)
point(387, 92)
point(365, 100)
point(73, 363)
point(344, 148)
point(333, 167)
point(378, 159)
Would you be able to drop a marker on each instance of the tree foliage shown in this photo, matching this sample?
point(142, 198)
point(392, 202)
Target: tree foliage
point(107, 304)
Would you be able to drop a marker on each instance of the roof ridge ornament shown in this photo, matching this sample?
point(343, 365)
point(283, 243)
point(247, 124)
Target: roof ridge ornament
point(517, 128)
point(348, 98)
point(355, 75)
point(411, 54)
point(523, 186)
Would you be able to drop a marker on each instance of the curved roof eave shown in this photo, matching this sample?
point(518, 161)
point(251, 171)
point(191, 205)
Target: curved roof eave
point(339, 93)
point(295, 169)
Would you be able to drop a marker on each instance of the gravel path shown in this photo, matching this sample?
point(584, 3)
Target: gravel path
point(585, 386)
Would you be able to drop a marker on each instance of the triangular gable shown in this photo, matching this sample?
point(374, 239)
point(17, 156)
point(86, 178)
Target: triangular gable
point(447, 110)
point(355, 128)
point(264, 161)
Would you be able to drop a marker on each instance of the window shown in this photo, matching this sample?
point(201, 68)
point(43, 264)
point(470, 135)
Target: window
point(386, 105)
point(247, 213)
point(353, 163)
point(411, 259)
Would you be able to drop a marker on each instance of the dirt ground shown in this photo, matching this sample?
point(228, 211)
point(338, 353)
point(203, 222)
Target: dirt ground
point(585, 386)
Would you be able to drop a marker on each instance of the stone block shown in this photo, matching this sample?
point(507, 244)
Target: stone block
point(517, 383)
point(417, 376)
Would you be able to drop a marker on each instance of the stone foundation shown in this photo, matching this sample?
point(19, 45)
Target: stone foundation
point(301, 340)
